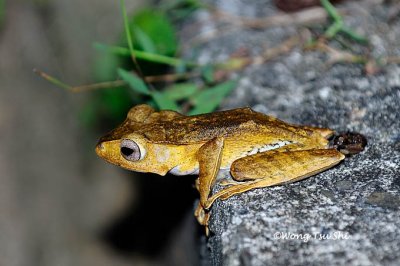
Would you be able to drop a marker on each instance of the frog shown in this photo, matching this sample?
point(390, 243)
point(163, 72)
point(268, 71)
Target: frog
point(258, 150)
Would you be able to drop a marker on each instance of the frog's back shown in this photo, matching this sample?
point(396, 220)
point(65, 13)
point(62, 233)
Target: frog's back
point(231, 123)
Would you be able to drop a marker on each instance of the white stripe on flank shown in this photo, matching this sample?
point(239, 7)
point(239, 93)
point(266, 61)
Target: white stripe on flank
point(267, 147)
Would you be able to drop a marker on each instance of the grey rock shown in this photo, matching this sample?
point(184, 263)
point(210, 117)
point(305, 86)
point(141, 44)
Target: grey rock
point(356, 204)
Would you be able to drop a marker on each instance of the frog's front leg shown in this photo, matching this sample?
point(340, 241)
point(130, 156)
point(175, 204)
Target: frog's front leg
point(273, 168)
point(209, 157)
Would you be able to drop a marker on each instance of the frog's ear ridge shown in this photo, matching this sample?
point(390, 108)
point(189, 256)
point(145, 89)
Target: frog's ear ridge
point(164, 115)
point(140, 113)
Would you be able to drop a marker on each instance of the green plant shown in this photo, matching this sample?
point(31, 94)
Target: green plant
point(338, 26)
point(2, 11)
point(149, 53)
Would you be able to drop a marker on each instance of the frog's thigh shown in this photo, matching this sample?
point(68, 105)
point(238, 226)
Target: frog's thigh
point(273, 168)
point(209, 157)
point(284, 166)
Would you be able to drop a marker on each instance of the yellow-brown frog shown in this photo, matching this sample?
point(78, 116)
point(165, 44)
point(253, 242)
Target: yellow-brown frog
point(259, 150)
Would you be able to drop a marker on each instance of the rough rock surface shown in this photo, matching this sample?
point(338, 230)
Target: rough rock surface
point(356, 204)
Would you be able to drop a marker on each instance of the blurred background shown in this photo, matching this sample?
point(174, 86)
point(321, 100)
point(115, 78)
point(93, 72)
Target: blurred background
point(59, 203)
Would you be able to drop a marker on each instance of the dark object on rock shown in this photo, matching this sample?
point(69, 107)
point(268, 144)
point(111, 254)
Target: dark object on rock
point(349, 143)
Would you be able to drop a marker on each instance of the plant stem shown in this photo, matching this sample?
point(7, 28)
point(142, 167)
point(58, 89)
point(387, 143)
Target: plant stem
point(331, 10)
point(53, 80)
point(338, 25)
point(81, 88)
point(157, 58)
point(354, 35)
point(100, 85)
point(129, 37)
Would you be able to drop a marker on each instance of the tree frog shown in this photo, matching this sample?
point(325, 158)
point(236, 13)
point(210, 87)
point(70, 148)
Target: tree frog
point(257, 149)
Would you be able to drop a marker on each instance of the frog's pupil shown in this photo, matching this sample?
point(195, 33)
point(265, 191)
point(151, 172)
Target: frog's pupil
point(126, 151)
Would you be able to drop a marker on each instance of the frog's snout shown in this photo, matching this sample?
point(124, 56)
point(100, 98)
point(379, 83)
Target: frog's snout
point(100, 149)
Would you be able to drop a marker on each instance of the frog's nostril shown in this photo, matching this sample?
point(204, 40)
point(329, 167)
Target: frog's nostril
point(99, 149)
point(130, 150)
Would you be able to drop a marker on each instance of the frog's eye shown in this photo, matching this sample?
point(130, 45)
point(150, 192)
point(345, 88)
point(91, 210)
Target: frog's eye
point(130, 150)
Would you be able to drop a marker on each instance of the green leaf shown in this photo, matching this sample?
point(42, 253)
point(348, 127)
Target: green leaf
point(105, 66)
point(88, 114)
point(134, 82)
point(144, 41)
point(208, 73)
point(180, 91)
point(163, 102)
point(115, 102)
point(159, 29)
point(208, 100)
point(2, 11)
point(181, 68)
point(180, 9)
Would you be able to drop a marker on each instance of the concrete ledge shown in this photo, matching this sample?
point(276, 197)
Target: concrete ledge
point(356, 204)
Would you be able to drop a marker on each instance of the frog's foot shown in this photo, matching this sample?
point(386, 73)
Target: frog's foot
point(202, 216)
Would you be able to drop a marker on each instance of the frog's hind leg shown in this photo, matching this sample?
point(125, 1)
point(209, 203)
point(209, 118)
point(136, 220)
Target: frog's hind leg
point(324, 132)
point(272, 168)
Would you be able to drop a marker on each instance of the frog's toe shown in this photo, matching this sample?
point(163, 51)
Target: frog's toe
point(202, 215)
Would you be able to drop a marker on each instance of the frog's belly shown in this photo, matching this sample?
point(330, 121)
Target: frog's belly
point(178, 171)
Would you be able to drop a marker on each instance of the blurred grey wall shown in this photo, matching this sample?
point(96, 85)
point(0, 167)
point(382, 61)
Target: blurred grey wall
point(55, 195)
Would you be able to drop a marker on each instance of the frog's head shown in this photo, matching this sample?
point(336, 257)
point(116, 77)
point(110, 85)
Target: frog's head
point(135, 152)
point(139, 143)
point(125, 147)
